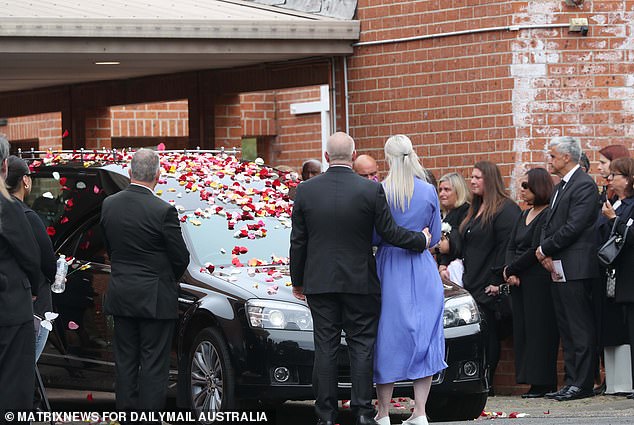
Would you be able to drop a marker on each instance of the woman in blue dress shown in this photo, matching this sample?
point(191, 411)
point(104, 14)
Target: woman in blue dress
point(410, 341)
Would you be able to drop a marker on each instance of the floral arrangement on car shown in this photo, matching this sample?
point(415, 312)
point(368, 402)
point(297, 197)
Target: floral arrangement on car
point(220, 180)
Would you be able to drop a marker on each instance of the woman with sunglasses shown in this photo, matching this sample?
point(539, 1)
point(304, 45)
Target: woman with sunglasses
point(535, 338)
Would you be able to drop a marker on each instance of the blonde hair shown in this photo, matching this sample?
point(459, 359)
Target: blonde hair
point(404, 167)
point(459, 185)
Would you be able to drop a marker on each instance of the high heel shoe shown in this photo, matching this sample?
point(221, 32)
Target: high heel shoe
point(418, 420)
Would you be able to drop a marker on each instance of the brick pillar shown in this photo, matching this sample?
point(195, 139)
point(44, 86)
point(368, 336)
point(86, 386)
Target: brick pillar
point(98, 129)
point(228, 128)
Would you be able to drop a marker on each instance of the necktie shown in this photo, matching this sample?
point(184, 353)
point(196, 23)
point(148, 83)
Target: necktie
point(560, 188)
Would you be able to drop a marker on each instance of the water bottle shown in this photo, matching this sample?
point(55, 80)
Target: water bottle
point(59, 285)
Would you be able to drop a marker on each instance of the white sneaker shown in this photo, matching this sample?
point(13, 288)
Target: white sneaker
point(418, 420)
point(385, 420)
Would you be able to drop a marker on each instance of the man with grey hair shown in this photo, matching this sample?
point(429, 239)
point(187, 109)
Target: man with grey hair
point(148, 255)
point(568, 250)
point(19, 266)
point(332, 265)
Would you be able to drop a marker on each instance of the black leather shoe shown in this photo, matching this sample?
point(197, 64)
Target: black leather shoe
point(538, 391)
point(553, 395)
point(600, 389)
point(631, 396)
point(574, 393)
point(365, 420)
point(321, 422)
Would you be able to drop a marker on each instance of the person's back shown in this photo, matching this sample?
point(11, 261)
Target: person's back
point(341, 222)
point(412, 297)
point(148, 255)
point(141, 285)
point(332, 266)
point(421, 209)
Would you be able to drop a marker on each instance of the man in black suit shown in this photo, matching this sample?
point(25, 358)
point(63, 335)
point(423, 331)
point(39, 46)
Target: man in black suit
point(332, 265)
point(569, 236)
point(148, 256)
point(19, 266)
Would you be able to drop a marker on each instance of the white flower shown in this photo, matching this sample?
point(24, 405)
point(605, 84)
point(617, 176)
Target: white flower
point(445, 228)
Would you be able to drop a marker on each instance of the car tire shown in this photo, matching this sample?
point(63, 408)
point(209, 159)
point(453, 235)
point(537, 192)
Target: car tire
point(457, 408)
point(210, 374)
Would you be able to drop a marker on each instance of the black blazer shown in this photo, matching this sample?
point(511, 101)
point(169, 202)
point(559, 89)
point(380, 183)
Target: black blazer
point(454, 218)
point(147, 254)
point(624, 263)
point(484, 250)
point(19, 264)
point(44, 301)
point(331, 240)
point(569, 233)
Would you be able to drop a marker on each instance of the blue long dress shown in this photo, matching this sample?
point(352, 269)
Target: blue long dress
point(410, 341)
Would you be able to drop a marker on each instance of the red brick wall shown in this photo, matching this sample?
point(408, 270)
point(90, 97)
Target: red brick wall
point(287, 139)
point(299, 136)
point(497, 95)
point(45, 127)
point(165, 119)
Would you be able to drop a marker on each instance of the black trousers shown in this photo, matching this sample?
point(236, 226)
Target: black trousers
point(142, 359)
point(575, 320)
point(17, 367)
point(358, 316)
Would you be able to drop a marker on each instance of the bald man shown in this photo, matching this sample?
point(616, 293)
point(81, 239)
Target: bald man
point(366, 167)
point(332, 265)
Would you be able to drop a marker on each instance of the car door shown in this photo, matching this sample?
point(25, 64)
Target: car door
point(79, 354)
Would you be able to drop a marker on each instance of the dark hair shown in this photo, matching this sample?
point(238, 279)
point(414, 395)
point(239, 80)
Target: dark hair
point(16, 169)
point(613, 152)
point(584, 162)
point(541, 184)
point(494, 194)
point(625, 166)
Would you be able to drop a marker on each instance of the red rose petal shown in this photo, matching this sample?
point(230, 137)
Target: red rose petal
point(63, 220)
point(62, 181)
point(50, 230)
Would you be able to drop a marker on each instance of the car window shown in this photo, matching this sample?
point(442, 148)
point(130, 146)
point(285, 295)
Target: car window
point(91, 247)
point(64, 199)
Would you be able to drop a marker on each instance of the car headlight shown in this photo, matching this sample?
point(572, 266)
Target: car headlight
point(267, 314)
point(459, 311)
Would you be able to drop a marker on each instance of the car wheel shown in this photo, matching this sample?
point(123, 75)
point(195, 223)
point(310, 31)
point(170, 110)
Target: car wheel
point(211, 376)
point(458, 408)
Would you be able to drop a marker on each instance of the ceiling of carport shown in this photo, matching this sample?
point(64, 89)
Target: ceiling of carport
point(51, 43)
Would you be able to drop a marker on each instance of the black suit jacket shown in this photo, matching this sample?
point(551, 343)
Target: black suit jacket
point(331, 240)
point(147, 254)
point(44, 301)
point(569, 233)
point(19, 264)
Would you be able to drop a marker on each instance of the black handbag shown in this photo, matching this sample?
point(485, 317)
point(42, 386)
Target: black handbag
point(612, 247)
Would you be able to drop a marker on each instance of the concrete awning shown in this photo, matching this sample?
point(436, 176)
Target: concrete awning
point(56, 42)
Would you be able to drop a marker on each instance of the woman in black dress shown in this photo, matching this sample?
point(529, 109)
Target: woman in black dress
point(535, 338)
point(454, 197)
point(485, 233)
